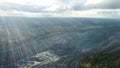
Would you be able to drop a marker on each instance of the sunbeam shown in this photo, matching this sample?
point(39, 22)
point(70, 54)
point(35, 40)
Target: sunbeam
point(59, 33)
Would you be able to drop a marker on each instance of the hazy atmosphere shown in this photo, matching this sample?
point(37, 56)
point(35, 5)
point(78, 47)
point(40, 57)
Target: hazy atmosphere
point(59, 33)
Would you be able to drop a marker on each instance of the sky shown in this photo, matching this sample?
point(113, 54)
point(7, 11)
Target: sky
point(60, 8)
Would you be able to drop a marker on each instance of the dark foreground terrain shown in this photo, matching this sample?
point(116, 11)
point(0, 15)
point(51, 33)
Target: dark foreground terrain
point(103, 60)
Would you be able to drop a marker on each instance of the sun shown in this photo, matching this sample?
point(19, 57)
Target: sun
point(93, 1)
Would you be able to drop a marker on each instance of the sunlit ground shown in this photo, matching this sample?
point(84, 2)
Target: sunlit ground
point(35, 42)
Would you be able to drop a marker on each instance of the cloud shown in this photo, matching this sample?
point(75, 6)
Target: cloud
point(105, 4)
point(106, 13)
point(60, 7)
point(89, 4)
point(20, 7)
point(92, 4)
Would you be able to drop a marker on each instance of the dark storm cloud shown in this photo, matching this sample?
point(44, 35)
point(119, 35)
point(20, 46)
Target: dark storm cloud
point(81, 5)
point(106, 4)
point(110, 4)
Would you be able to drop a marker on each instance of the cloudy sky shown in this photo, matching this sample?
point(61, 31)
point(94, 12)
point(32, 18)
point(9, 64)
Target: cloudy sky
point(60, 8)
